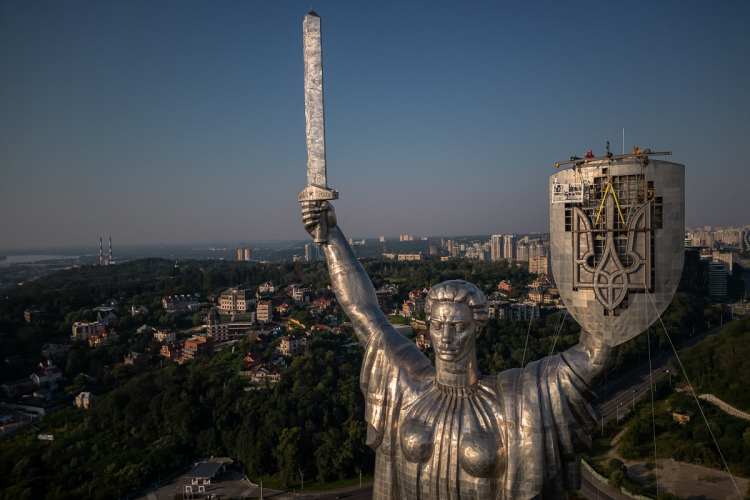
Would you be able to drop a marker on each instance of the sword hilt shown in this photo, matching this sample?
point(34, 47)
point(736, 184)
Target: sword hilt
point(320, 235)
point(319, 195)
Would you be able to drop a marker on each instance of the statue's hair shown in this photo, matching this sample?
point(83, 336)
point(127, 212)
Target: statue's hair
point(461, 292)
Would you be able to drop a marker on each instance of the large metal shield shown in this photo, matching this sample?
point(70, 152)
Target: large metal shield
point(617, 237)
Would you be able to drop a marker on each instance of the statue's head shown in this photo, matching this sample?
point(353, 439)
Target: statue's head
point(457, 311)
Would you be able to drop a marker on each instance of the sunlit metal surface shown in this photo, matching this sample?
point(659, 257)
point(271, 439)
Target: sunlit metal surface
point(446, 431)
point(624, 237)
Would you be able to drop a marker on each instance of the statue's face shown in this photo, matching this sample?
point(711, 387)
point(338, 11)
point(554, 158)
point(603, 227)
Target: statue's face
point(453, 330)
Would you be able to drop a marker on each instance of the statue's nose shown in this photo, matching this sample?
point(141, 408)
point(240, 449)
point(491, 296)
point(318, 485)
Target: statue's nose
point(447, 336)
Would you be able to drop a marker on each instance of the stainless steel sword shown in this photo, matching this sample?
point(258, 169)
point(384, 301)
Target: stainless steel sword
point(317, 189)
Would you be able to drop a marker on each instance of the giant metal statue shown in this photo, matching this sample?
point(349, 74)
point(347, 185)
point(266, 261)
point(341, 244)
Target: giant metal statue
point(447, 431)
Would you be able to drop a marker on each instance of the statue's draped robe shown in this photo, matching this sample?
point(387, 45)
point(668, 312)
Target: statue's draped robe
point(514, 436)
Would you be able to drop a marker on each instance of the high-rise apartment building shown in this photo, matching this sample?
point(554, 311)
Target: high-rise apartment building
point(509, 246)
point(312, 252)
point(496, 247)
point(539, 265)
point(717, 279)
point(248, 254)
point(522, 252)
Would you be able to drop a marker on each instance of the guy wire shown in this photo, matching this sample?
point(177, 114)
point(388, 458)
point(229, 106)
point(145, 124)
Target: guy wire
point(694, 396)
point(653, 416)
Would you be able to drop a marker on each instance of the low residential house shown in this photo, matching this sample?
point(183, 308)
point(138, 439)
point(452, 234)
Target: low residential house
point(284, 309)
point(423, 339)
point(136, 359)
point(32, 316)
point(165, 335)
point(106, 317)
point(321, 303)
point(84, 400)
point(536, 294)
point(17, 387)
point(83, 330)
point(171, 350)
point(103, 337)
point(264, 312)
point(54, 350)
point(682, 417)
point(415, 293)
point(301, 293)
point(47, 374)
point(541, 282)
point(413, 307)
point(181, 303)
point(237, 300)
point(290, 345)
point(144, 330)
point(268, 287)
point(278, 360)
point(266, 371)
point(142, 310)
point(196, 347)
point(253, 358)
point(505, 286)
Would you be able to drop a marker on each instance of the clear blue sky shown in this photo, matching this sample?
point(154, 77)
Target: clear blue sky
point(182, 121)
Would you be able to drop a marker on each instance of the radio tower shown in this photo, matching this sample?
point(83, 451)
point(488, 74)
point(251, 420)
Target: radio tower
point(110, 251)
point(101, 255)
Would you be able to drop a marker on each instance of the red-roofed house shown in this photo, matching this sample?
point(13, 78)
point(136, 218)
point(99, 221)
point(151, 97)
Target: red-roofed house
point(321, 302)
point(253, 358)
point(50, 374)
point(423, 339)
point(103, 337)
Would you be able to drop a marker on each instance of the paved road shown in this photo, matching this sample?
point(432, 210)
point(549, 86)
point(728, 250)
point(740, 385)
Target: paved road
point(618, 395)
point(348, 493)
point(593, 489)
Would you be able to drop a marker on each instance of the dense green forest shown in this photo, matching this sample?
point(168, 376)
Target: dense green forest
point(161, 418)
point(721, 365)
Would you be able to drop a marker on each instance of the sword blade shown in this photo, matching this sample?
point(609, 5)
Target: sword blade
point(314, 116)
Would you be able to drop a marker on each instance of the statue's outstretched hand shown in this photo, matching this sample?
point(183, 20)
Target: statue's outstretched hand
point(312, 213)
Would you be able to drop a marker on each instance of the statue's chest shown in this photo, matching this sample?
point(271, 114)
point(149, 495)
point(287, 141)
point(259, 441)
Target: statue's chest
point(453, 434)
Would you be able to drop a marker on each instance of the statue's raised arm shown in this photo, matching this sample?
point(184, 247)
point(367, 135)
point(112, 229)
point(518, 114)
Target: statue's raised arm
point(352, 286)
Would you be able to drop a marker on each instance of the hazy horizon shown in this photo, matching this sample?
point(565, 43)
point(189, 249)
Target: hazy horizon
point(183, 122)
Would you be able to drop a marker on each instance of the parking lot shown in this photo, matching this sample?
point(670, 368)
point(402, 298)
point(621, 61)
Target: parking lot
point(229, 484)
point(13, 421)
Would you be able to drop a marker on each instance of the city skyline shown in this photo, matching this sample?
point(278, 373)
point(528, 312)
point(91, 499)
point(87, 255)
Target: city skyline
point(173, 123)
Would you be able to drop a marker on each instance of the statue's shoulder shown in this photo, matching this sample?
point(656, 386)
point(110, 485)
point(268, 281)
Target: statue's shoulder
point(398, 351)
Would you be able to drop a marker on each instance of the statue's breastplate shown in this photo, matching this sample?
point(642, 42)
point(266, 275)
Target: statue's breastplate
point(444, 427)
